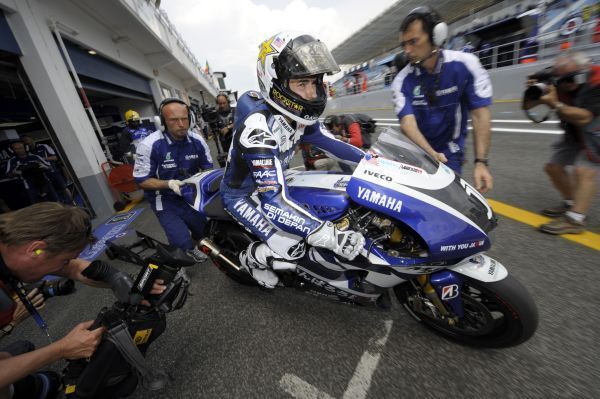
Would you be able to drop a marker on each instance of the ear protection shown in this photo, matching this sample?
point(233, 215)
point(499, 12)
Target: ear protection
point(171, 100)
point(433, 24)
point(38, 252)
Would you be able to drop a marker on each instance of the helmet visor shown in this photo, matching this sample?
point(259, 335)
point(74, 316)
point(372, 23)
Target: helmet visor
point(312, 58)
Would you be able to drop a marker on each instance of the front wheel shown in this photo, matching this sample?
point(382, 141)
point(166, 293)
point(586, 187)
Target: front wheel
point(498, 314)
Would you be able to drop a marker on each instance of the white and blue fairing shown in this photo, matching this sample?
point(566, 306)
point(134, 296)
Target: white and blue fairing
point(404, 183)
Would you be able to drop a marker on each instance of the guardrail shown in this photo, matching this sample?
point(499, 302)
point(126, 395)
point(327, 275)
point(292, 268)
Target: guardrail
point(546, 47)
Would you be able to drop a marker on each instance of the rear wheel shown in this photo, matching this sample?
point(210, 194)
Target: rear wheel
point(232, 240)
point(498, 314)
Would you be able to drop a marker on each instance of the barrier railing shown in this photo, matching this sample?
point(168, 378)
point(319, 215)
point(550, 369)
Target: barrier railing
point(546, 46)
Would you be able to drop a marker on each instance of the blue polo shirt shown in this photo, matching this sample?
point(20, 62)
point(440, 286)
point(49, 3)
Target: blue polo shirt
point(458, 85)
point(160, 156)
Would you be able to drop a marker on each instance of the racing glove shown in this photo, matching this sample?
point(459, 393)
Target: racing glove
point(175, 185)
point(347, 244)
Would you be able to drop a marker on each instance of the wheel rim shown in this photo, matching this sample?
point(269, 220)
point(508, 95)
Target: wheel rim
point(483, 312)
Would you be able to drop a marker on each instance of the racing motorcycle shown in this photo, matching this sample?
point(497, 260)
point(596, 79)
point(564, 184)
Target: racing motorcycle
point(426, 232)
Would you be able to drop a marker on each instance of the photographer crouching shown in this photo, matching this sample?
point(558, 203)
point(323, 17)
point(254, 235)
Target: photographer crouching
point(571, 88)
point(43, 239)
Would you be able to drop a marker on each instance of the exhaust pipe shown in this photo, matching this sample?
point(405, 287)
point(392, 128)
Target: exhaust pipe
point(211, 249)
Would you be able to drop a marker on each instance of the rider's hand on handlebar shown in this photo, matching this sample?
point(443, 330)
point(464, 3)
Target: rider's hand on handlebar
point(175, 185)
point(347, 243)
point(80, 342)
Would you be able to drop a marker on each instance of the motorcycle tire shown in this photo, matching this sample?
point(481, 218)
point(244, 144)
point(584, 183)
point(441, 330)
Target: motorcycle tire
point(233, 240)
point(497, 315)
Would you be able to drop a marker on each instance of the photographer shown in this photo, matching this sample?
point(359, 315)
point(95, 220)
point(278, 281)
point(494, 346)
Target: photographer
point(572, 90)
point(43, 239)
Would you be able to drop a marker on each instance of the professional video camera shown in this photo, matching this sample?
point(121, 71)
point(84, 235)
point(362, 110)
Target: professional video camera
point(49, 289)
point(544, 78)
point(132, 324)
point(210, 116)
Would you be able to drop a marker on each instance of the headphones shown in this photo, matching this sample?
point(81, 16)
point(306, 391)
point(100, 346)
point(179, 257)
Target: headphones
point(433, 24)
point(172, 100)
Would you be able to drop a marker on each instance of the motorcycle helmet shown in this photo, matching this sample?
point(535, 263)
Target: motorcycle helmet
point(293, 55)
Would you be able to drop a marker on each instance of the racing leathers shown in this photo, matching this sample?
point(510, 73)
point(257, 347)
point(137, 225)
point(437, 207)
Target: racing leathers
point(255, 193)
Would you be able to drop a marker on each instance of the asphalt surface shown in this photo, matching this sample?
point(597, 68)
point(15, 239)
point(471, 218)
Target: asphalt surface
point(233, 341)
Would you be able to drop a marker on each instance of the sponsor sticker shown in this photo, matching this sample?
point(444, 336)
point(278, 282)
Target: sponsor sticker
point(462, 246)
point(375, 197)
point(262, 163)
point(449, 292)
point(142, 336)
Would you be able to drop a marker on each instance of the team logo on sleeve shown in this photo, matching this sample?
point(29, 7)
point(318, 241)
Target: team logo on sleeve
point(258, 138)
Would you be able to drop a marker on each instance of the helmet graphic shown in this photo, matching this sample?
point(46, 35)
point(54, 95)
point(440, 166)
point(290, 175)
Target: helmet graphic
point(293, 55)
point(131, 115)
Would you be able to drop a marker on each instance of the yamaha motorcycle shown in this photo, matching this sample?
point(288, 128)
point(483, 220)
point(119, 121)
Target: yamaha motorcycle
point(426, 232)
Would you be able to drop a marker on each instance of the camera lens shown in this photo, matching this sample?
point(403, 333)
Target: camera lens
point(534, 92)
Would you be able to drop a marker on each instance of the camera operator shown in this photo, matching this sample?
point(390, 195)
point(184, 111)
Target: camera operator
point(225, 121)
point(572, 90)
point(42, 239)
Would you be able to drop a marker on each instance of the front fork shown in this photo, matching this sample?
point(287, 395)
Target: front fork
point(443, 288)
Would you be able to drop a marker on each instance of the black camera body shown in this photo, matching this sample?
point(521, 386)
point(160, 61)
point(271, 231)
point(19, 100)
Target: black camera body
point(544, 78)
point(118, 365)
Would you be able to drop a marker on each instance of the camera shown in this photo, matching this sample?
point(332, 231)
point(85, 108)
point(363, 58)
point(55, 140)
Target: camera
point(544, 78)
point(49, 289)
point(210, 116)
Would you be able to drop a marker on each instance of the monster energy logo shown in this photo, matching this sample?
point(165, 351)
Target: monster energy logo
point(286, 101)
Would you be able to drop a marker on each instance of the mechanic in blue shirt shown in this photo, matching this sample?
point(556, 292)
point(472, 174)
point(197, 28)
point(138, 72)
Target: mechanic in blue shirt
point(55, 175)
point(32, 170)
point(268, 129)
point(163, 159)
point(434, 94)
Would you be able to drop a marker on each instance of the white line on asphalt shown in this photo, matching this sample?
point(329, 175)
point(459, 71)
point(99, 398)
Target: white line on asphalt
point(493, 121)
point(359, 384)
point(358, 387)
point(500, 129)
point(301, 389)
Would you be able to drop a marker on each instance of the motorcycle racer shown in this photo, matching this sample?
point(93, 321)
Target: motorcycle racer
point(268, 128)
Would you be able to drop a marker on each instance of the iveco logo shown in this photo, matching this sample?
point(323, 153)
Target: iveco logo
point(378, 175)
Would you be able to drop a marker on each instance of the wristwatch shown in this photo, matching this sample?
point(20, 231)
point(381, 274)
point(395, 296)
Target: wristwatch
point(558, 106)
point(481, 160)
point(6, 330)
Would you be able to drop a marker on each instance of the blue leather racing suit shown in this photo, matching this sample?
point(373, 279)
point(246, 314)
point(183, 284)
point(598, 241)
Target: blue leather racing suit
point(254, 190)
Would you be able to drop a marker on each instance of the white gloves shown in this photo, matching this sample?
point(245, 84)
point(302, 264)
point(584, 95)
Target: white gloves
point(344, 243)
point(175, 185)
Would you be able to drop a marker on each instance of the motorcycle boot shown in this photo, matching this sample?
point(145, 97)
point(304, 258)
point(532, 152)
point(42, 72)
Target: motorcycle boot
point(260, 261)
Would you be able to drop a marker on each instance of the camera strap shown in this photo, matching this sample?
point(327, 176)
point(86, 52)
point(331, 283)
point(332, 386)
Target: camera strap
point(151, 379)
point(18, 289)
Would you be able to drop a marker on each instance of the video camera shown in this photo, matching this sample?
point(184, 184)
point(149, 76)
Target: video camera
point(210, 116)
point(49, 289)
point(132, 324)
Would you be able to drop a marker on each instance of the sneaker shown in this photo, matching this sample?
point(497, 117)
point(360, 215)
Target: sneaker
point(564, 225)
point(556, 211)
point(197, 255)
